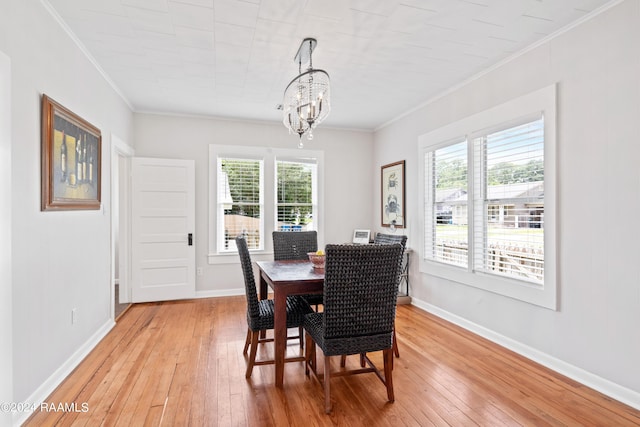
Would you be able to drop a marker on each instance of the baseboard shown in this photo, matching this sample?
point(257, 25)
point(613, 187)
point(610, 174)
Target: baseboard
point(404, 299)
point(42, 392)
point(222, 293)
point(611, 389)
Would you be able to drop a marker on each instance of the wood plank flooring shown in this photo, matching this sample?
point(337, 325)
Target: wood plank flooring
point(181, 363)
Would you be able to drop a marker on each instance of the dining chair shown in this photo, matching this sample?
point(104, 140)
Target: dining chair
point(360, 292)
point(295, 245)
point(260, 313)
point(385, 239)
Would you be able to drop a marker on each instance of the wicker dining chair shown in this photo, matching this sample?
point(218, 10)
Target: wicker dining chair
point(260, 313)
point(360, 292)
point(382, 239)
point(295, 245)
point(385, 239)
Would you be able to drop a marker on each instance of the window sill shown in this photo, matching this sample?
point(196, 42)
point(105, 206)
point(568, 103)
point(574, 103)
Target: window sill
point(540, 295)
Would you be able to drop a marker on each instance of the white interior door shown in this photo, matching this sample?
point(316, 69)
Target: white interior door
point(162, 226)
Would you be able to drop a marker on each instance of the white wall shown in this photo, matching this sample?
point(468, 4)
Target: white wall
point(60, 260)
point(597, 68)
point(348, 168)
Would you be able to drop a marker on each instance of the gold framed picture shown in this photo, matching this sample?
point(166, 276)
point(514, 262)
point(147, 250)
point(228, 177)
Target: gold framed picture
point(71, 159)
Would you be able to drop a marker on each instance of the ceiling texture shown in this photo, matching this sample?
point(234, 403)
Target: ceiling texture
point(234, 58)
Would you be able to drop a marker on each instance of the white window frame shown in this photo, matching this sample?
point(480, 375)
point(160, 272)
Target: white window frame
point(269, 197)
point(541, 101)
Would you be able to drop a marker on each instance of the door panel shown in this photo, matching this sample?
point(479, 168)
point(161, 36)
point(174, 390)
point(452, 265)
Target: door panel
point(163, 216)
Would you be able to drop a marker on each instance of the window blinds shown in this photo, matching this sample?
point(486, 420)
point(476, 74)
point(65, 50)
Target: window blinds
point(240, 206)
point(295, 195)
point(446, 236)
point(509, 201)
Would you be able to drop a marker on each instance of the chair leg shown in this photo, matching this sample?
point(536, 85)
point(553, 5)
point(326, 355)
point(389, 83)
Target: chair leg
point(327, 384)
point(388, 369)
point(395, 343)
point(247, 342)
point(252, 353)
point(343, 360)
point(310, 355)
point(301, 335)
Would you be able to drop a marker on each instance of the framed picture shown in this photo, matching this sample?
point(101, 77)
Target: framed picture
point(392, 195)
point(71, 159)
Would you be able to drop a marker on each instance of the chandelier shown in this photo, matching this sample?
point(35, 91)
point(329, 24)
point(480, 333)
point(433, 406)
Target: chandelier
point(306, 99)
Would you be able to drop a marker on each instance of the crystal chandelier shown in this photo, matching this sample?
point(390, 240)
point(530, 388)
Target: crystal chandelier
point(306, 99)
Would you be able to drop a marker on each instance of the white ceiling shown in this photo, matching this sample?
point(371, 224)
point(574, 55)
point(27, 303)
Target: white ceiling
point(234, 58)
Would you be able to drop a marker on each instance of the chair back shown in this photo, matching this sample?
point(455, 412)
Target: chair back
point(249, 279)
point(389, 239)
point(294, 244)
point(385, 239)
point(360, 289)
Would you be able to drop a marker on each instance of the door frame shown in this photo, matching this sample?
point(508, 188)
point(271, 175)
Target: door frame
point(120, 212)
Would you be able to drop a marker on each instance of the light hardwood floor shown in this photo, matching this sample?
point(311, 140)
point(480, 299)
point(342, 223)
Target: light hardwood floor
point(181, 363)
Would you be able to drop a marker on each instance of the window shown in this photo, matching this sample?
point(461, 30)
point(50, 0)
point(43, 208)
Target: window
point(240, 202)
point(296, 195)
point(447, 231)
point(488, 197)
point(510, 182)
point(257, 190)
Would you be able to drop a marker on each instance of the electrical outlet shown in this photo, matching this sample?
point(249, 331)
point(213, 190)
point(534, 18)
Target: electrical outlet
point(199, 271)
point(74, 315)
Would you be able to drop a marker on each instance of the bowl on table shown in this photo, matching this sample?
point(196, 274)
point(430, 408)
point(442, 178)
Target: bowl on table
point(317, 260)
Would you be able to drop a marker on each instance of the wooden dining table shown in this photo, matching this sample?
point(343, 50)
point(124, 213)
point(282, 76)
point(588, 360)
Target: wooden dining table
point(286, 278)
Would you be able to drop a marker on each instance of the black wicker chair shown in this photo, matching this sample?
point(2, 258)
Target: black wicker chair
point(385, 239)
point(296, 245)
point(360, 292)
point(260, 312)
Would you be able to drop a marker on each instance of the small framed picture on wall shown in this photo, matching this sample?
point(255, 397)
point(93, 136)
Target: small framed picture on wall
point(392, 195)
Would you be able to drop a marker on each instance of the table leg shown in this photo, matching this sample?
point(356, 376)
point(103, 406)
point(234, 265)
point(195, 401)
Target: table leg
point(280, 332)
